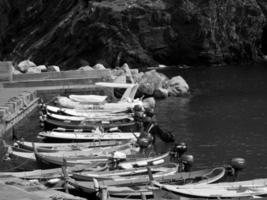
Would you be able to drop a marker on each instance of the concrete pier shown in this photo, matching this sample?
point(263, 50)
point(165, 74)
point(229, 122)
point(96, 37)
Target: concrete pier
point(14, 188)
point(15, 104)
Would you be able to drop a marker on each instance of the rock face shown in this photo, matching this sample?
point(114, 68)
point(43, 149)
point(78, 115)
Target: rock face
point(263, 5)
point(142, 33)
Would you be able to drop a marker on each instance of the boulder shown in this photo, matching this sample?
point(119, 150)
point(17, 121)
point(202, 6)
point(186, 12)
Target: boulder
point(125, 67)
point(99, 66)
point(43, 68)
point(86, 68)
point(149, 103)
point(23, 66)
point(138, 77)
point(34, 70)
point(177, 86)
point(53, 68)
point(151, 81)
point(161, 93)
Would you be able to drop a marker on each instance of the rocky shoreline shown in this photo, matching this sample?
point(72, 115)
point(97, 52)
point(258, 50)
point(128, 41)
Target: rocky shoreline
point(151, 83)
point(74, 33)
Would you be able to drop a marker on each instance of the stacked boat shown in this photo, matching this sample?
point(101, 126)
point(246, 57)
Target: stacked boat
point(103, 148)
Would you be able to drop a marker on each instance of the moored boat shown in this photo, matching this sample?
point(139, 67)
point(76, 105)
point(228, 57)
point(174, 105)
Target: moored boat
point(128, 174)
point(90, 136)
point(91, 118)
point(93, 99)
point(54, 147)
point(117, 160)
point(47, 160)
point(135, 187)
point(227, 190)
point(124, 104)
point(50, 124)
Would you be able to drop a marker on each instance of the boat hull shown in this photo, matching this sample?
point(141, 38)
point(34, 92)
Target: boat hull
point(50, 124)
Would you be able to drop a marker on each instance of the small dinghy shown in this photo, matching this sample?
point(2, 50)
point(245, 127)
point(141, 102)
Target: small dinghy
point(126, 158)
point(90, 136)
point(126, 102)
point(134, 188)
point(128, 174)
point(91, 118)
point(101, 154)
point(76, 112)
point(50, 124)
point(88, 99)
point(54, 147)
point(256, 188)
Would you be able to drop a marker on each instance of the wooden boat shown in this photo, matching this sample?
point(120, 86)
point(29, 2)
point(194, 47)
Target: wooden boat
point(128, 174)
point(135, 187)
point(76, 112)
point(89, 99)
point(50, 124)
point(91, 118)
point(126, 102)
point(54, 147)
point(145, 161)
point(126, 148)
point(90, 136)
point(131, 160)
point(51, 173)
point(227, 190)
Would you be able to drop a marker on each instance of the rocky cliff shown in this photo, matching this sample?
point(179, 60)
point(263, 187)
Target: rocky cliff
point(72, 33)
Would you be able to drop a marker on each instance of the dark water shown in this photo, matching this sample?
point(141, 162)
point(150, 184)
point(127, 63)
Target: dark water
point(225, 117)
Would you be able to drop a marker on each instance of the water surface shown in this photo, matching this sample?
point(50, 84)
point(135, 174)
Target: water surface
point(225, 117)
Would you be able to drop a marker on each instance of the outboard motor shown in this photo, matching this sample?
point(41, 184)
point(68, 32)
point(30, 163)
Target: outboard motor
point(236, 165)
point(145, 141)
point(116, 159)
point(42, 120)
point(178, 150)
point(149, 112)
point(186, 162)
